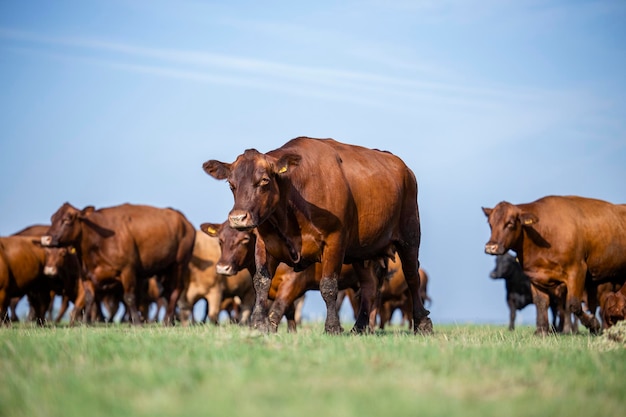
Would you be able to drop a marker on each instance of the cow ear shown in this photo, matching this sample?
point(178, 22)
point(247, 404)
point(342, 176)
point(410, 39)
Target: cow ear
point(216, 169)
point(285, 162)
point(487, 211)
point(210, 229)
point(528, 219)
point(86, 211)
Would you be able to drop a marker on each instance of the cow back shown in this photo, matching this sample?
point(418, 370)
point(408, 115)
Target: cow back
point(362, 192)
point(148, 237)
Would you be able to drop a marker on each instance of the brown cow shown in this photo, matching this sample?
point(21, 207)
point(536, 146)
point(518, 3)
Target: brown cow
point(319, 200)
point(64, 264)
point(21, 273)
point(393, 295)
point(613, 306)
point(36, 231)
point(127, 243)
point(562, 243)
point(205, 282)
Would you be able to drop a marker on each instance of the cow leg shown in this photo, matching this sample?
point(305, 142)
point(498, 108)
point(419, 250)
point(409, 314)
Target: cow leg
point(541, 301)
point(329, 289)
point(368, 282)
point(65, 302)
point(12, 305)
point(385, 312)
point(291, 287)
point(261, 282)
point(186, 304)
point(90, 299)
point(410, 265)
point(512, 314)
point(214, 298)
point(129, 283)
point(173, 292)
point(575, 290)
point(290, 314)
point(4, 308)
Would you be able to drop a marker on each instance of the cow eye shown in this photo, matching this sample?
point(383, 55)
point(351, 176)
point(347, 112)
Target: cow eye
point(264, 182)
point(510, 225)
point(232, 186)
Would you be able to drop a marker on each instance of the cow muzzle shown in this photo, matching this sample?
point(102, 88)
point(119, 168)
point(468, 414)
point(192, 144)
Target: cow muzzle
point(225, 269)
point(240, 220)
point(493, 249)
point(46, 240)
point(50, 270)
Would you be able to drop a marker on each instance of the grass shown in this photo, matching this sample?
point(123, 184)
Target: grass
point(468, 370)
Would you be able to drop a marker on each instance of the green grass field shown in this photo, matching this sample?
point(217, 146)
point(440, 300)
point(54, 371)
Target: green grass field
point(461, 370)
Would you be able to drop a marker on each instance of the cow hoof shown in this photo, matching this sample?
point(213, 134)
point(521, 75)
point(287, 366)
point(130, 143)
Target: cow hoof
point(542, 332)
point(425, 326)
point(262, 326)
point(360, 330)
point(333, 330)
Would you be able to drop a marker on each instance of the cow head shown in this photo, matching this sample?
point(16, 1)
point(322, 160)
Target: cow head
point(254, 180)
point(237, 247)
point(65, 228)
point(613, 308)
point(506, 264)
point(56, 258)
point(506, 222)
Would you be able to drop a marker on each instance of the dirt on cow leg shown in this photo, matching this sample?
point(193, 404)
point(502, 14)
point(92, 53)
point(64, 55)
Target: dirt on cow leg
point(424, 326)
point(275, 315)
point(590, 322)
point(329, 290)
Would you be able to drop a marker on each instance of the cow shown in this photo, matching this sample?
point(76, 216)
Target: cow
point(21, 273)
point(128, 244)
point(566, 245)
point(613, 304)
point(206, 282)
point(36, 231)
point(287, 288)
point(322, 201)
point(393, 295)
point(518, 290)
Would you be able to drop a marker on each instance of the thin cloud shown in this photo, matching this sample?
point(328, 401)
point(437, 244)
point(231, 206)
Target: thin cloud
point(341, 84)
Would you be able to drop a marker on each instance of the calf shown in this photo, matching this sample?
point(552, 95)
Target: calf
point(518, 289)
point(206, 282)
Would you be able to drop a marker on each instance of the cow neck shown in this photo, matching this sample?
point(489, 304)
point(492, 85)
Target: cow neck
point(89, 244)
point(290, 225)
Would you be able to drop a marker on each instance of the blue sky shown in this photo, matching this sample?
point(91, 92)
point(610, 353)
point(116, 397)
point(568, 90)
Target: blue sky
point(106, 102)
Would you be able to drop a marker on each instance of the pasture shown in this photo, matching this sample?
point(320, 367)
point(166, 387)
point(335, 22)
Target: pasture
point(461, 370)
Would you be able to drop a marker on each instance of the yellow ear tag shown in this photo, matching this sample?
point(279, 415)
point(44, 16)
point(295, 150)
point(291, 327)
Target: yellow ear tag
point(283, 169)
point(72, 250)
point(211, 230)
point(528, 221)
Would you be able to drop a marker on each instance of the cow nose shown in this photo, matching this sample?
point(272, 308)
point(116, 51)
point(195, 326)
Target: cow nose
point(46, 240)
point(50, 270)
point(239, 220)
point(491, 248)
point(224, 269)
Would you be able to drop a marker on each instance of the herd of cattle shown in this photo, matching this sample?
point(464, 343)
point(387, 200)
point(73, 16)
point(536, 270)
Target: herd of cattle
point(306, 217)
